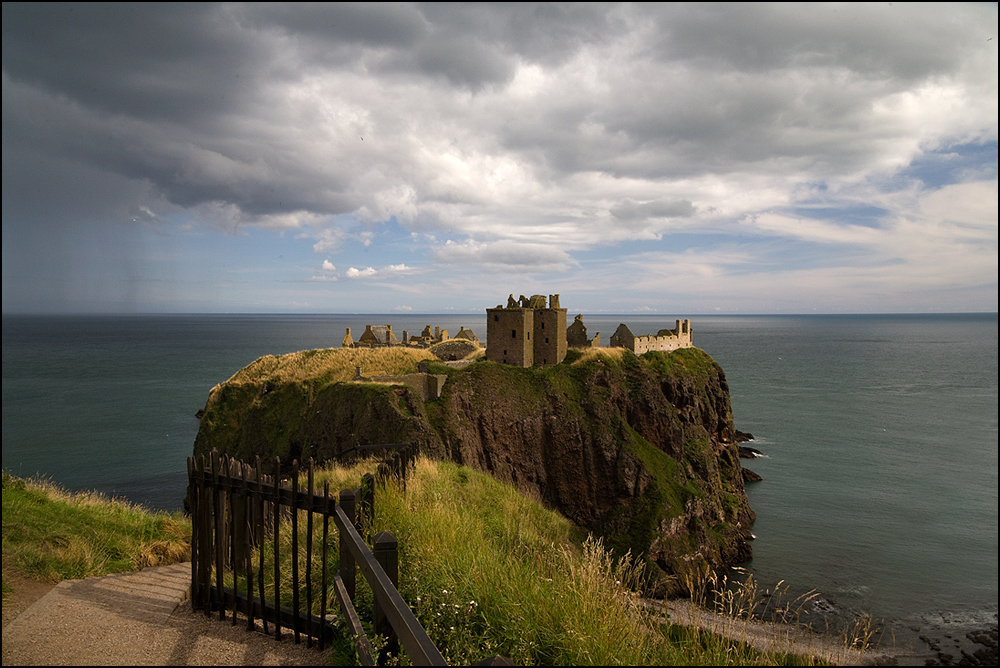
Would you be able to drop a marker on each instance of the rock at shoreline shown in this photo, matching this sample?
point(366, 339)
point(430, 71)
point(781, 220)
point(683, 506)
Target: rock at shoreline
point(986, 655)
point(746, 452)
point(750, 476)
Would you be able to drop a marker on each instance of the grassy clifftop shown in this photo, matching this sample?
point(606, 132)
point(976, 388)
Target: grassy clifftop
point(640, 450)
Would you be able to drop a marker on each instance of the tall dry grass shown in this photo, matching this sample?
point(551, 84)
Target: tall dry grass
point(330, 365)
point(489, 571)
point(52, 534)
point(609, 355)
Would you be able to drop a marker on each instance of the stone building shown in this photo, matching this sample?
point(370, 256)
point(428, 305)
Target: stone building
point(468, 335)
point(576, 335)
point(380, 336)
point(375, 336)
point(528, 332)
point(665, 340)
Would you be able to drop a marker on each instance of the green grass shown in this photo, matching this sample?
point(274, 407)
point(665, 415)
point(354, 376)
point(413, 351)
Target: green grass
point(51, 534)
point(486, 570)
point(330, 365)
point(489, 571)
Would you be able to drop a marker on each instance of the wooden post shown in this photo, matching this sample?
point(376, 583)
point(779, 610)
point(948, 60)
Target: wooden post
point(219, 523)
point(326, 536)
point(309, 553)
point(261, 521)
point(193, 507)
point(347, 566)
point(277, 571)
point(386, 551)
point(239, 514)
point(295, 549)
point(366, 515)
point(250, 531)
point(233, 561)
point(205, 526)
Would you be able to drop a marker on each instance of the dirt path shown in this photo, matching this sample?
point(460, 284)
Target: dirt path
point(140, 619)
point(144, 618)
point(776, 637)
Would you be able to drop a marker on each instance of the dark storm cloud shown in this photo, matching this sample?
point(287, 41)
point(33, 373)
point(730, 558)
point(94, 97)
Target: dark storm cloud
point(507, 127)
point(381, 24)
point(203, 102)
point(543, 33)
point(174, 61)
point(879, 40)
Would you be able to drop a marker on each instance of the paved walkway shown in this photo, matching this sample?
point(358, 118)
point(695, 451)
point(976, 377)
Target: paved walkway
point(138, 619)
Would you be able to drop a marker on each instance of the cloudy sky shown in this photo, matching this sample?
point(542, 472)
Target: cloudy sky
point(675, 159)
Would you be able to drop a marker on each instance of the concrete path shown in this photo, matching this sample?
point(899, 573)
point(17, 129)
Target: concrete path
point(138, 619)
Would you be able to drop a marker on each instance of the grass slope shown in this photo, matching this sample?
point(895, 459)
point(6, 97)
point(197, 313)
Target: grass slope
point(50, 534)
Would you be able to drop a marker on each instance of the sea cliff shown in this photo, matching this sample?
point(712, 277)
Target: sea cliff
point(640, 450)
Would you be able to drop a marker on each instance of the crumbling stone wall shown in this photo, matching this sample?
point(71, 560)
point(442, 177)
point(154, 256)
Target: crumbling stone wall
point(666, 340)
point(528, 332)
point(576, 335)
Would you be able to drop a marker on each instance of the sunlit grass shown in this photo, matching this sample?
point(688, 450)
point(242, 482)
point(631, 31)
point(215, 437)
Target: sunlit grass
point(331, 365)
point(489, 571)
point(612, 356)
point(51, 534)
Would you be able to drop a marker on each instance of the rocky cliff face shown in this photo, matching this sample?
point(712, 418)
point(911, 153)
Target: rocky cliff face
point(640, 450)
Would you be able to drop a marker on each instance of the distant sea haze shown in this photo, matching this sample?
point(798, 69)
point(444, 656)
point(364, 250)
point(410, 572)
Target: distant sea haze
point(879, 432)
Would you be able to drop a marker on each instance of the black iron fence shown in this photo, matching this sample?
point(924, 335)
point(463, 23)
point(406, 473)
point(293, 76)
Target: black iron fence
point(237, 510)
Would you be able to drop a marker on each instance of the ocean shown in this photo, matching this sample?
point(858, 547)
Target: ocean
point(879, 433)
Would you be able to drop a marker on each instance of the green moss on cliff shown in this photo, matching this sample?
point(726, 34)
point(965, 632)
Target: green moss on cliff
point(638, 449)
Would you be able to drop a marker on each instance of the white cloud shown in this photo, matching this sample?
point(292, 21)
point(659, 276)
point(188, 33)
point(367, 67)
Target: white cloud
point(510, 255)
point(532, 140)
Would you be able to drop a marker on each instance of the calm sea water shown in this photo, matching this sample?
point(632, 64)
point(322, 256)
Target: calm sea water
point(880, 432)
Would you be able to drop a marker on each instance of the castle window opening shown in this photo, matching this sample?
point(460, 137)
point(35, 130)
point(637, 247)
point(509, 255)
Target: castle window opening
point(513, 333)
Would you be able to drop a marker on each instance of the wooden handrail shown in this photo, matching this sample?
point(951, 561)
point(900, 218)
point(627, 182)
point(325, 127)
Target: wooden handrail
point(412, 635)
point(225, 492)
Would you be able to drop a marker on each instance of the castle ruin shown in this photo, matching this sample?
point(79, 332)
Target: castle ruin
point(576, 335)
point(666, 340)
point(528, 332)
point(382, 336)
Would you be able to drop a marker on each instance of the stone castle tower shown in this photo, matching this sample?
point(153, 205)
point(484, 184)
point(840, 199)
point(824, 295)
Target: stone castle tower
point(527, 332)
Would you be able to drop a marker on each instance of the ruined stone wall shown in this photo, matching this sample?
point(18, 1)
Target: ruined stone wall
point(527, 332)
point(508, 335)
point(576, 335)
point(666, 340)
point(428, 386)
point(550, 336)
